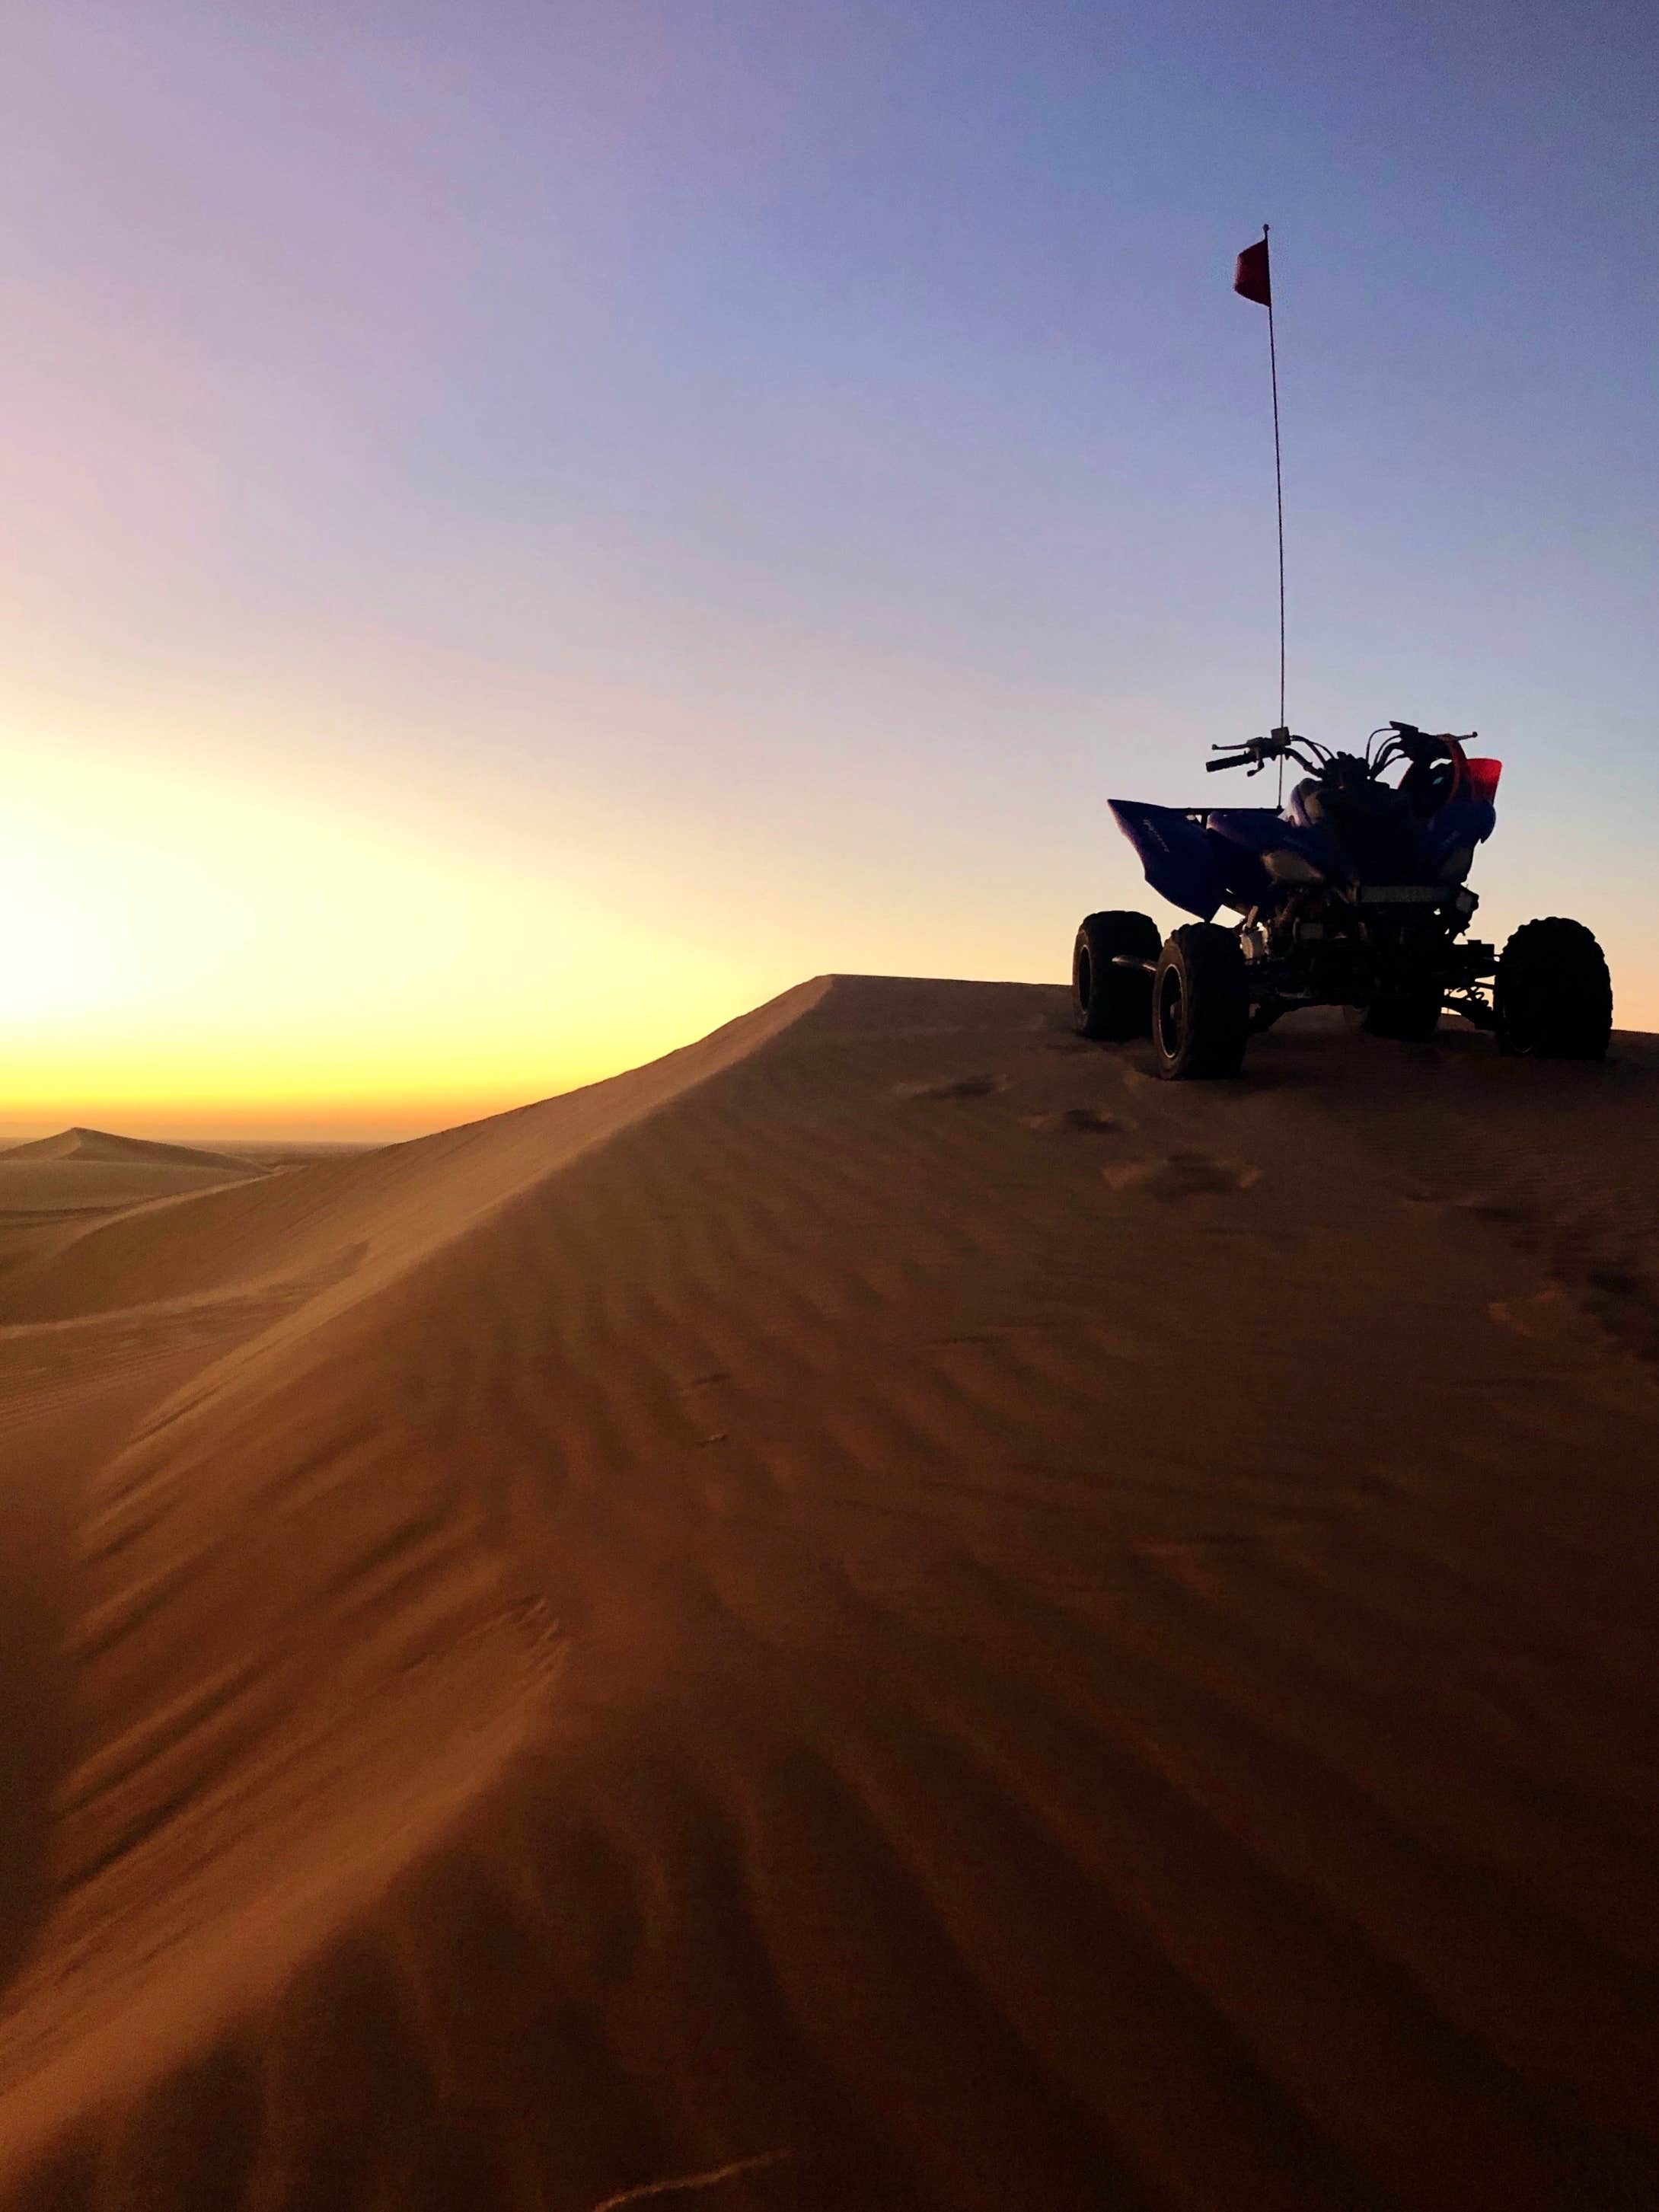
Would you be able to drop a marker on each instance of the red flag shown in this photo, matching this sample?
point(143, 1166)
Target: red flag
point(1251, 277)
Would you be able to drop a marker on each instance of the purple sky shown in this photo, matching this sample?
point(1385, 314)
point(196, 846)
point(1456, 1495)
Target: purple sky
point(767, 473)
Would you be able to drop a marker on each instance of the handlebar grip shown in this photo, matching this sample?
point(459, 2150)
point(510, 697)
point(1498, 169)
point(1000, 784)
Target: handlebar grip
point(1211, 767)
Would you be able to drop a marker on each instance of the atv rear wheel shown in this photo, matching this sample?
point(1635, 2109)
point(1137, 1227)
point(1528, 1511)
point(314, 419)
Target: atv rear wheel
point(1413, 1020)
point(1552, 995)
point(1201, 1005)
point(1110, 1001)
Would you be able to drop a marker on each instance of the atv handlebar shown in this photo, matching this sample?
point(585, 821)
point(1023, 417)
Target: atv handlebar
point(1405, 741)
point(1257, 751)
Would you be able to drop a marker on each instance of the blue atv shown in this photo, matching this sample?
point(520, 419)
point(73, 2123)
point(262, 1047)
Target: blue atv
point(1353, 894)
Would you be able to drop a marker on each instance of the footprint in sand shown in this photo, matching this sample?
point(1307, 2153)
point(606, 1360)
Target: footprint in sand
point(1183, 1175)
point(958, 1086)
point(1075, 1121)
point(1546, 1316)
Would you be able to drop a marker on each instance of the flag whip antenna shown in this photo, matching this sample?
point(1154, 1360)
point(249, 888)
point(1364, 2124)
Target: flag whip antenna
point(1253, 280)
point(1279, 491)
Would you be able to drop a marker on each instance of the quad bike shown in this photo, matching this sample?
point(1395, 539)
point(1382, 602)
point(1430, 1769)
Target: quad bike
point(1353, 895)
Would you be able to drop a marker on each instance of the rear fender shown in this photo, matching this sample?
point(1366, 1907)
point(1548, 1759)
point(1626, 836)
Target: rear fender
point(1462, 822)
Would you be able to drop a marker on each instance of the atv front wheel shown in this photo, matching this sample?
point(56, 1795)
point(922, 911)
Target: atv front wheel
point(1201, 1004)
point(1111, 1001)
point(1552, 995)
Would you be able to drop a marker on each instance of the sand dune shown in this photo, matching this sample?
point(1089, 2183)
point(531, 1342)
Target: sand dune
point(884, 1613)
point(52, 1189)
point(100, 1144)
point(31, 1191)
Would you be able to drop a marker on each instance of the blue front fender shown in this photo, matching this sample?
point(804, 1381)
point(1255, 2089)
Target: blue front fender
point(1176, 856)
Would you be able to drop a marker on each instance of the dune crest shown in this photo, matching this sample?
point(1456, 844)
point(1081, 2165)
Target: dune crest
point(799, 1625)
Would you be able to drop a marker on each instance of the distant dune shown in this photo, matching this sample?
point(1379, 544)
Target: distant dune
point(99, 1145)
point(885, 1613)
point(57, 1186)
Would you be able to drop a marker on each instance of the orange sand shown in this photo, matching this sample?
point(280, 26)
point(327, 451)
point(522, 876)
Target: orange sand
point(885, 1613)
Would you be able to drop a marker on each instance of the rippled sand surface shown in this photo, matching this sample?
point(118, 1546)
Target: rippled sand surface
point(885, 1612)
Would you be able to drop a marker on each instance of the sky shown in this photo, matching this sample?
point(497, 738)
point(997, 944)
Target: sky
point(530, 528)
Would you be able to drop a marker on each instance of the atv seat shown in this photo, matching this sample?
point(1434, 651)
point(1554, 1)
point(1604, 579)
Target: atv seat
point(1251, 826)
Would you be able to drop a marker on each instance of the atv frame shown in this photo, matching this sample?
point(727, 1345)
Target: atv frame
point(1354, 895)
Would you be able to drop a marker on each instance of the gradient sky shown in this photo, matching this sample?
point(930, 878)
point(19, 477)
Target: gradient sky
point(530, 528)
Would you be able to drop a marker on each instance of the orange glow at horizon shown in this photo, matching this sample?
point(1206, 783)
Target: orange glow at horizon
point(190, 953)
point(198, 953)
point(208, 935)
